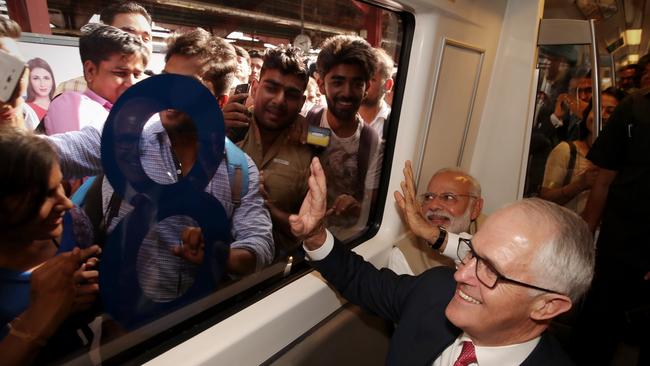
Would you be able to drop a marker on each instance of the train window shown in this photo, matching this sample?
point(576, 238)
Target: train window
point(564, 92)
point(574, 100)
point(147, 203)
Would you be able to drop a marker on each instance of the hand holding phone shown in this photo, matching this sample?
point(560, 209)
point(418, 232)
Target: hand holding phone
point(11, 71)
point(242, 89)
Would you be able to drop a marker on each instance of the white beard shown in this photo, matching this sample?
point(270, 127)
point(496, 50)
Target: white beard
point(457, 224)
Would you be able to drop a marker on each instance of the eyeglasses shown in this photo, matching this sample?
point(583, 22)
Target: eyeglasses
point(446, 198)
point(485, 272)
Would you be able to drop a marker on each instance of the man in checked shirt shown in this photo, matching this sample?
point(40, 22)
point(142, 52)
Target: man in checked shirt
point(168, 144)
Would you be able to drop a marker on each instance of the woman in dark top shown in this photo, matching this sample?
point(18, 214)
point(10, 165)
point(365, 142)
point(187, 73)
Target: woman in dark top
point(39, 289)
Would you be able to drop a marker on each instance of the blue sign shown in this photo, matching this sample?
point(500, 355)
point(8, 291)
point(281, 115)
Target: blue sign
point(152, 202)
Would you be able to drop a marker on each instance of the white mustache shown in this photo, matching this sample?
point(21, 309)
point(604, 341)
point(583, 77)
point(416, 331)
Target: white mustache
point(437, 212)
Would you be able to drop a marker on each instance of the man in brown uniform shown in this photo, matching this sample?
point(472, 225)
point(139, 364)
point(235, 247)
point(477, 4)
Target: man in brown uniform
point(283, 162)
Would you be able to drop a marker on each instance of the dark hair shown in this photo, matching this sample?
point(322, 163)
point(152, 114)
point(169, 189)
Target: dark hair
point(98, 42)
point(619, 94)
point(346, 49)
point(288, 60)
point(643, 61)
point(9, 28)
point(25, 167)
point(218, 55)
point(34, 64)
point(125, 7)
point(584, 132)
point(241, 52)
point(255, 54)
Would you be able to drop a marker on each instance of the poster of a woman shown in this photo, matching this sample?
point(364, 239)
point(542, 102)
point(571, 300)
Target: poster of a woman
point(41, 86)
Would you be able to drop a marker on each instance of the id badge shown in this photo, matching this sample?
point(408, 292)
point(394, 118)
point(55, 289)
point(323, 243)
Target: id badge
point(318, 136)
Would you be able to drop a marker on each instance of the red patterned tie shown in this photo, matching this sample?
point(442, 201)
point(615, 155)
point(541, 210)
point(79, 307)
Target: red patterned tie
point(467, 355)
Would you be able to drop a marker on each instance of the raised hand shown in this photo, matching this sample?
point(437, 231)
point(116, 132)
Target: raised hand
point(192, 247)
point(235, 114)
point(412, 210)
point(57, 289)
point(345, 205)
point(87, 280)
point(308, 223)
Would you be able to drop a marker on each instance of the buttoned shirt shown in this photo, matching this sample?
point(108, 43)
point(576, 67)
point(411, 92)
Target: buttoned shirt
point(286, 169)
point(382, 116)
point(162, 275)
point(72, 111)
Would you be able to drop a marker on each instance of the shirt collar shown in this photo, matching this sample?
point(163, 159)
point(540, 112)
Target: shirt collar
point(384, 110)
point(94, 96)
point(513, 354)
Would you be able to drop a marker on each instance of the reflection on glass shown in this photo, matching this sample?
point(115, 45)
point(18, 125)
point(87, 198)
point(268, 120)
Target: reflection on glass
point(564, 92)
point(153, 184)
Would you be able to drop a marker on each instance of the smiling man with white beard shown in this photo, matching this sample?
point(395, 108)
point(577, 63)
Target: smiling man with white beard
point(451, 203)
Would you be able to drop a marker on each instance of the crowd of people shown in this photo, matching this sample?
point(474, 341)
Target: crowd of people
point(310, 141)
point(265, 122)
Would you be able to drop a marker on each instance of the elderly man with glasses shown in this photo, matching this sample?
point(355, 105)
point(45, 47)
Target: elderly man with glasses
point(452, 203)
point(528, 263)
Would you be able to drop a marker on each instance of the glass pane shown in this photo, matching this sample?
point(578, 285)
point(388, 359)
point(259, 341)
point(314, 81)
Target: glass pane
point(564, 92)
point(146, 290)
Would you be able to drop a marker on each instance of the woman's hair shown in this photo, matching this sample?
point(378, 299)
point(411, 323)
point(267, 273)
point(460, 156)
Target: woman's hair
point(34, 64)
point(25, 168)
point(583, 130)
point(616, 93)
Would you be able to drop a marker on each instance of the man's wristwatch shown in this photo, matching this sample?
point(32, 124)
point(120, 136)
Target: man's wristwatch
point(441, 239)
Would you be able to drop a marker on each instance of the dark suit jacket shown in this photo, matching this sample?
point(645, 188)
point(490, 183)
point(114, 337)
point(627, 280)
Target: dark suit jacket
point(416, 304)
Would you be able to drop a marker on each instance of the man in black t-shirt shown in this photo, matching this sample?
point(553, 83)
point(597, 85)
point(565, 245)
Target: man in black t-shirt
point(616, 309)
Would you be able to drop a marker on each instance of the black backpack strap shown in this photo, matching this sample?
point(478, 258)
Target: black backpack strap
point(315, 115)
point(99, 219)
point(572, 163)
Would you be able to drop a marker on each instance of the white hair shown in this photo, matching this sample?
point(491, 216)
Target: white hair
point(565, 262)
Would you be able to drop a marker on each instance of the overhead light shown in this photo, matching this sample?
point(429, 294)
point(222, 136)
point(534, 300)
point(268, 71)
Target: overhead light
point(241, 37)
point(632, 37)
point(633, 58)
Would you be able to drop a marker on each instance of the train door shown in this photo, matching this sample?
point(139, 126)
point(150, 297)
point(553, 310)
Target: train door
point(567, 91)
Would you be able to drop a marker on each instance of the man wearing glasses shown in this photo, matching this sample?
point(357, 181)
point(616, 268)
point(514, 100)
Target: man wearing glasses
point(452, 203)
point(527, 264)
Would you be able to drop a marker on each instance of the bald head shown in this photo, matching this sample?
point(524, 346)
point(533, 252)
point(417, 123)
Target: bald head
point(565, 254)
point(532, 253)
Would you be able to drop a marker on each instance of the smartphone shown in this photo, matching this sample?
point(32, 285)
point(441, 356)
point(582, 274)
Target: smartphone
point(11, 69)
point(319, 136)
point(242, 89)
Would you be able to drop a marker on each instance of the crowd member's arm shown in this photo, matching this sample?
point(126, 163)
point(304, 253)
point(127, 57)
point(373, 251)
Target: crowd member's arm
point(251, 228)
point(345, 205)
point(235, 114)
point(597, 198)
point(252, 248)
point(58, 287)
point(79, 152)
point(609, 153)
point(554, 175)
point(280, 217)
